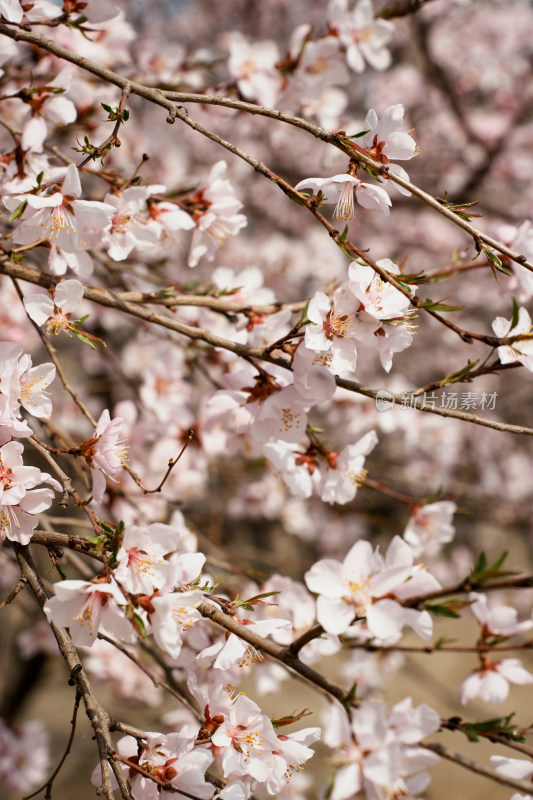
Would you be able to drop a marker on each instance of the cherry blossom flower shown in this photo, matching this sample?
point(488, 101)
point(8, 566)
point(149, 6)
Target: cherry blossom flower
point(345, 471)
point(368, 585)
point(335, 326)
point(60, 217)
point(55, 314)
point(11, 10)
point(497, 619)
point(105, 452)
point(88, 607)
point(109, 667)
point(22, 385)
point(173, 759)
point(521, 350)
point(130, 226)
point(253, 65)
point(171, 615)
point(379, 298)
point(47, 103)
point(19, 499)
point(305, 474)
point(364, 36)
point(344, 185)
point(142, 563)
point(24, 756)
point(246, 740)
point(378, 752)
point(430, 526)
point(515, 768)
point(215, 214)
point(385, 140)
point(235, 650)
point(491, 682)
point(268, 406)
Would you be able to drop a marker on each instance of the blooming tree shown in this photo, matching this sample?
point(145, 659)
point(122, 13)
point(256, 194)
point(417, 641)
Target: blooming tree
point(263, 395)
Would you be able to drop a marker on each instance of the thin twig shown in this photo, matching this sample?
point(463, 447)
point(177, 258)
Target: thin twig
point(49, 783)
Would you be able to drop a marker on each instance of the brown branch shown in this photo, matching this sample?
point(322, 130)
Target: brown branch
point(98, 717)
point(11, 596)
point(473, 766)
point(402, 8)
point(49, 783)
point(276, 651)
point(111, 300)
point(52, 353)
point(161, 98)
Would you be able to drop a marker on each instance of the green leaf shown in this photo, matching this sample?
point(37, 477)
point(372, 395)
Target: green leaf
point(447, 609)
point(40, 178)
point(139, 624)
point(125, 115)
point(495, 261)
point(430, 305)
point(18, 211)
point(350, 697)
point(344, 234)
point(440, 643)
point(516, 313)
point(357, 135)
point(106, 108)
point(482, 572)
point(456, 376)
point(499, 726)
point(372, 173)
point(83, 338)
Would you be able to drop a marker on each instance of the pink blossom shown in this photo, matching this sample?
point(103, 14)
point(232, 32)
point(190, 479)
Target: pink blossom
point(344, 186)
point(385, 140)
point(87, 608)
point(253, 65)
point(216, 215)
point(430, 526)
point(105, 452)
point(364, 36)
point(171, 615)
point(55, 314)
point(335, 326)
point(368, 585)
point(379, 298)
point(521, 350)
point(143, 562)
point(497, 619)
point(491, 682)
point(172, 758)
point(19, 499)
point(345, 472)
point(24, 756)
point(60, 217)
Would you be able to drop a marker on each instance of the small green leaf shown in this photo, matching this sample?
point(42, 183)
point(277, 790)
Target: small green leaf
point(447, 609)
point(453, 377)
point(18, 211)
point(482, 572)
point(430, 305)
point(83, 338)
point(357, 135)
point(139, 624)
point(516, 313)
point(40, 178)
point(350, 697)
point(106, 107)
point(125, 115)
